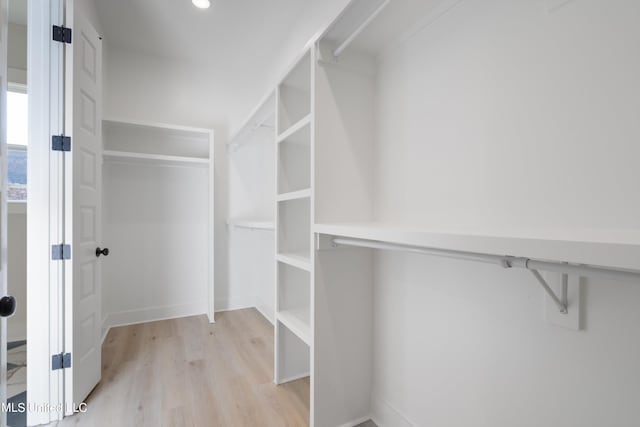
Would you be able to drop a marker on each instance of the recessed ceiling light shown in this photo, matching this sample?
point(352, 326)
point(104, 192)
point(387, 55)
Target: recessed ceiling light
point(201, 4)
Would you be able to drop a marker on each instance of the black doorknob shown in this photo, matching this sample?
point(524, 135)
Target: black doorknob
point(7, 306)
point(104, 252)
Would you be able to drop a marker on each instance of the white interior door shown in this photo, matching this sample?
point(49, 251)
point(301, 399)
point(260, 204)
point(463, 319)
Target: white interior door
point(83, 202)
point(3, 200)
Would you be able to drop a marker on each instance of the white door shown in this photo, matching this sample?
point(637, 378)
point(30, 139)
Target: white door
point(83, 183)
point(3, 202)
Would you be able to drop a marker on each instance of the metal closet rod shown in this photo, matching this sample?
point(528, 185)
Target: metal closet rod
point(505, 261)
point(501, 260)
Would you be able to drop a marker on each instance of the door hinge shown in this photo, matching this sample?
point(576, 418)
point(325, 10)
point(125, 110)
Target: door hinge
point(60, 361)
point(60, 143)
point(60, 252)
point(61, 34)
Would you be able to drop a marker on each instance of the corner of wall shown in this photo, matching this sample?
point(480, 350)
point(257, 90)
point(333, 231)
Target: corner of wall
point(385, 415)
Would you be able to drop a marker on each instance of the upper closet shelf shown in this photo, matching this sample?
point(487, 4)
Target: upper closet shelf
point(155, 141)
point(371, 26)
point(261, 119)
point(252, 224)
point(616, 249)
point(154, 158)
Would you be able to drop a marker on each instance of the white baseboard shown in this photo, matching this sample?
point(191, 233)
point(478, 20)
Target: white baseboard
point(266, 311)
point(234, 303)
point(294, 378)
point(354, 423)
point(385, 415)
point(151, 314)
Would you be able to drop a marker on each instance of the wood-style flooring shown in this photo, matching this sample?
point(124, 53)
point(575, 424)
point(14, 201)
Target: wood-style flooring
point(188, 372)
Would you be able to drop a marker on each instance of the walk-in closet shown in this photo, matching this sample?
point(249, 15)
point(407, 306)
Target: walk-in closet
point(346, 213)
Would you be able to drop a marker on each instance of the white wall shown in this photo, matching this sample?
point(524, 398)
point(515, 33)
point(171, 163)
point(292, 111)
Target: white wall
point(499, 113)
point(504, 115)
point(252, 196)
point(153, 222)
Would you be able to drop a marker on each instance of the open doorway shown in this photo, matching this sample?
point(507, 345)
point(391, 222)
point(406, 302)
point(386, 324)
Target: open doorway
point(17, 137)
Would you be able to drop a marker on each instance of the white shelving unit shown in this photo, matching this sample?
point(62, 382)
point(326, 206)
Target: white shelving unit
point(353, 161)
point(372, 183)
point(251, 155)
point(294, 263)
point(158, 221)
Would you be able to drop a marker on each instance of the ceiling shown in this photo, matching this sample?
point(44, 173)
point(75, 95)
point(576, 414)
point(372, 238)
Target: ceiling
point(230, 33)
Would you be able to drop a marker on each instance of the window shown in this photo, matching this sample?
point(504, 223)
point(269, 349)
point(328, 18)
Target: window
point(17, 113)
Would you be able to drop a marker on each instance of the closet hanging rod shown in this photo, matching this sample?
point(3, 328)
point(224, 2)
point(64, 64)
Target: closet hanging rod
point(505, 261)
point(360, 28)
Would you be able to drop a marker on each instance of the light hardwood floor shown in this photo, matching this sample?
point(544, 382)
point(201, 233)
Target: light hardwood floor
point(187, 372)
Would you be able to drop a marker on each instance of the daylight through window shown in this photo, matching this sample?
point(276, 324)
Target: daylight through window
point(17, 136)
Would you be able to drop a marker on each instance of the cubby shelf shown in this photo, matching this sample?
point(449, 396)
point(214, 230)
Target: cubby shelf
point(296, 259)
point(293, 129)
point(294, 195)
point(297, 321)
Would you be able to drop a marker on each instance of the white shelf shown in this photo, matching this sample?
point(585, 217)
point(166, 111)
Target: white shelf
point(261, 118)
point(154, 157)
point(305, 121)
point(157, 139)
point(606, 248)
point(294, 195)
point(297, 321)
point(253, 224)
point(295, 259)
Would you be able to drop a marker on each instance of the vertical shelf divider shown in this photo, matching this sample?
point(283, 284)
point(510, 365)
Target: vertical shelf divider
point(294, 136)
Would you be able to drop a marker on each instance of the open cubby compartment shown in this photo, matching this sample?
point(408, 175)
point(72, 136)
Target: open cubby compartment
point(343, 336)
point(158, 140)
point(294, 232)
point(292, 356)
point(344, 136)
point(294, 292)
point(294, 161)
point(294, 94)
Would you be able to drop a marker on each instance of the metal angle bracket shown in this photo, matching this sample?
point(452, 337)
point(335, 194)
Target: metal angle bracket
point(325, 242)
point(560, 301)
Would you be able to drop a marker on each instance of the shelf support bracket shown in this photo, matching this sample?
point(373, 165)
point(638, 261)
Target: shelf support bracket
point(560, 301)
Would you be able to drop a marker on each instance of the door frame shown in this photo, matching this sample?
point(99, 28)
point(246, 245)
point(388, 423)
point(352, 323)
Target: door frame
point(4, 30)
point(45, 293)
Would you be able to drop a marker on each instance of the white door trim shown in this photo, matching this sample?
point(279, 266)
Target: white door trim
point(44, 207)
point(3, 200)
